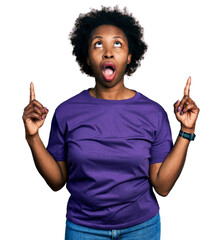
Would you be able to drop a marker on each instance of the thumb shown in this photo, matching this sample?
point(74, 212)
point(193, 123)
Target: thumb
point(176, 105)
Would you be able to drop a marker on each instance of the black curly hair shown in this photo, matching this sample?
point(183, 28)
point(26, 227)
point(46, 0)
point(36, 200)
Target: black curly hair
point(86, 23)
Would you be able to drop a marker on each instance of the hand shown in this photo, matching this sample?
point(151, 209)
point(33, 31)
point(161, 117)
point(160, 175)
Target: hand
point(186, 110)
point(34, 114)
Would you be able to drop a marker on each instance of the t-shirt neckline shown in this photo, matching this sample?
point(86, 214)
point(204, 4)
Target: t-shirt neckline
point(101, 100)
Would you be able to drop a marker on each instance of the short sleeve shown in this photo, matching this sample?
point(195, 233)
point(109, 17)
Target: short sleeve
point(56, 144)
point(163, 143)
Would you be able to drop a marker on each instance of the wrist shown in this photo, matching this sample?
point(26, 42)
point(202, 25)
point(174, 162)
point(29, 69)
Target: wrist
point(187, 130)
point(188, 136)
point(32, 137)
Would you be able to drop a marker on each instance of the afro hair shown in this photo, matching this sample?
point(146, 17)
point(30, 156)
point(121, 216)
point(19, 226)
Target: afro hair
point(86, 23)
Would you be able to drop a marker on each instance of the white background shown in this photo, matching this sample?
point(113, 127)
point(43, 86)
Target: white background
point(184, 39)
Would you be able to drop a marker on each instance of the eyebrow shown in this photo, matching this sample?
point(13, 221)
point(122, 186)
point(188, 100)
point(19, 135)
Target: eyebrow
point(102, 37)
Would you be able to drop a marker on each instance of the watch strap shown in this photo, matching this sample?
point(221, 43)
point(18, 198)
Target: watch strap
point(189, 136)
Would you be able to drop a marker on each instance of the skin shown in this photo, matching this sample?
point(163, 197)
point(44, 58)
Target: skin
point(55, 173)
point(109, 43)
point(103, 47)
point(164, 175)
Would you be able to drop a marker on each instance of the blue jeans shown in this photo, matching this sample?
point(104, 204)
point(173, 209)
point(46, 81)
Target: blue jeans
point(148, 230)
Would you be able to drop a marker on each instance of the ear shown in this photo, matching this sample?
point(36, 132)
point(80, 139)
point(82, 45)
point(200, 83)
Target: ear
point(87, 60)
point(129, 58)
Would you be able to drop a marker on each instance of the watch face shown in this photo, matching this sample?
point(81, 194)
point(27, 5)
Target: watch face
point(187, 135)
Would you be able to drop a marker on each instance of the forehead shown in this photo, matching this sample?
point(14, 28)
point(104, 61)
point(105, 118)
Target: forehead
point(108, 30)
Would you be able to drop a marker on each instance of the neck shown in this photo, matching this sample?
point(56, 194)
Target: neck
point(117, 92)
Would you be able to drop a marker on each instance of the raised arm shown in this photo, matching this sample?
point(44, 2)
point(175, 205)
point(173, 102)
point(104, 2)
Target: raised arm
point(54, 173)
point(164, 175)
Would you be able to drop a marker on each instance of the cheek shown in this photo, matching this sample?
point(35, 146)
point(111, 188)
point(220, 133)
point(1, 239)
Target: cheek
point(96, 56)
point(94, 64)
point(123, 59)
point(92, 60)
point(122, 55)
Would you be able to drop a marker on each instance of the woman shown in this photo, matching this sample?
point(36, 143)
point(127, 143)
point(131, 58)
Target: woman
point(110, 144)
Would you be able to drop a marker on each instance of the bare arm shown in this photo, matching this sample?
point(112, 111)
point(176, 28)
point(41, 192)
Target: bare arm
point(164, 175)
point(54, 173)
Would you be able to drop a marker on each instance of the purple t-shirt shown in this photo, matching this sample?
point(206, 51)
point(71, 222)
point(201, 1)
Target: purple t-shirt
point(108, 145)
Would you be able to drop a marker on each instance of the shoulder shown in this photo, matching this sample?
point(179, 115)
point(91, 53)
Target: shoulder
point(68, 109)
point(151, 105)
point(69, 104)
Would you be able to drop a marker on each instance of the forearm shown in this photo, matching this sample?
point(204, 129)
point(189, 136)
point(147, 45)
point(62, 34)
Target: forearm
point(45, 163)
point(164, 175)
point(172, 166)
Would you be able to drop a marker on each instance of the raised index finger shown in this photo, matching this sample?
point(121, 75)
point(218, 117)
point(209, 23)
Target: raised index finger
point(32, 92)
point(187, 87)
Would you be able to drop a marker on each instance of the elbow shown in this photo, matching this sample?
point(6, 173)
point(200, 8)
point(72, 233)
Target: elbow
point(56, 187)
point(162, 193)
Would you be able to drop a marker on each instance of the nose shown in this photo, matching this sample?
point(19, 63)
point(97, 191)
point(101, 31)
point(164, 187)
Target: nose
point(108, 54)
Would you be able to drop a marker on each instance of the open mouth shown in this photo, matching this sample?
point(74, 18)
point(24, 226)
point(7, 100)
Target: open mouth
point(109, 71)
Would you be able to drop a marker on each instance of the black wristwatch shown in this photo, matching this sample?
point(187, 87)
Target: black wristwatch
point(189, 136)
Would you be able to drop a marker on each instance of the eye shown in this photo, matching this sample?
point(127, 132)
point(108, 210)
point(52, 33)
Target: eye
point(117, 44)
point(98, 45)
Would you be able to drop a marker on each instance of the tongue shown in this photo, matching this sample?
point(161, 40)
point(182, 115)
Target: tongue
point(108, 71)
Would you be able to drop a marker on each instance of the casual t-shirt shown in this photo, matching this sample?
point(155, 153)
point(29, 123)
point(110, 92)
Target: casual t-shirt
point(109, 145)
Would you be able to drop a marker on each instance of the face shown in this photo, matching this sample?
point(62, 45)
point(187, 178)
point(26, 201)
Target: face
point(108, 54)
